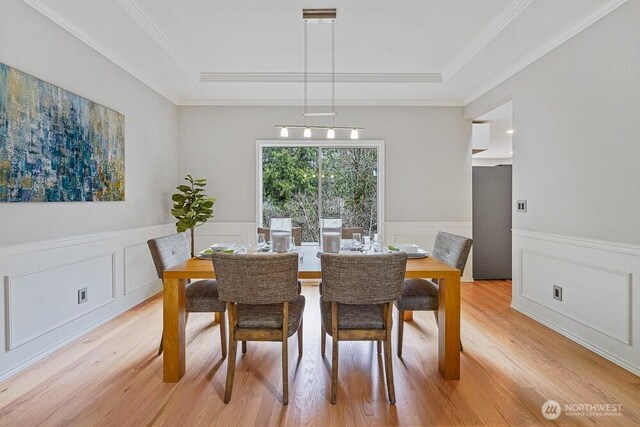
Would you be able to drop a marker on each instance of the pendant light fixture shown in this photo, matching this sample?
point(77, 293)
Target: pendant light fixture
point(319, 16)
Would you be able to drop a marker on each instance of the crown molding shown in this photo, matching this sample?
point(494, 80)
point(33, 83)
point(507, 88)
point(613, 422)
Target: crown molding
point(137, 13)
point(320, 103)
point(495, 28)
point(588, 20)
point(296, 77)
point(49, 13)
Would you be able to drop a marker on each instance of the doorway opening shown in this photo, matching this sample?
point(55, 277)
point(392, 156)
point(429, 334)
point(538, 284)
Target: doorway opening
point(492, 193)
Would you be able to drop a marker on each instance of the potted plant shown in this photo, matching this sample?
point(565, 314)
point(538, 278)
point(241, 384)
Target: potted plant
point(191, 207)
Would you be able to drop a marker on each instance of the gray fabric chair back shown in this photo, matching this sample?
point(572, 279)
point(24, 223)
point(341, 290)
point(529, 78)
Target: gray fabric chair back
point(362, 279)
point(256, 278)
point(347, 233)
point(296, 234)
point(168, 251)
point(452, 249)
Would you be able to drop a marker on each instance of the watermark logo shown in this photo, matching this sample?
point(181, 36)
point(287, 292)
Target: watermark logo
point(551, 409)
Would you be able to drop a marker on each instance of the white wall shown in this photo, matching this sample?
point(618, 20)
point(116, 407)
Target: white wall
point(576, 116)
point(427, 165)
point(40, 280)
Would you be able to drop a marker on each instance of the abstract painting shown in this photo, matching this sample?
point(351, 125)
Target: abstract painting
point(56, 146)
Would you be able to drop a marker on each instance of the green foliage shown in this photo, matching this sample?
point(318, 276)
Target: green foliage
point(288, 170)
point(191, 207)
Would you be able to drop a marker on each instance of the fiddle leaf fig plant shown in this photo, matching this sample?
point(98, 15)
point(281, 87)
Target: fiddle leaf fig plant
point(191, 207)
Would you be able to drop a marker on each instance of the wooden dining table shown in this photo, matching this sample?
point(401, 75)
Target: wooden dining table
point(175, 280)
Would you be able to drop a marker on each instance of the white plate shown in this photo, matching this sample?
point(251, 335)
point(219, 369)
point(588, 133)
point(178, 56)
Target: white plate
point(420, 253)
point(409, 248)
point(221, 246)
point(203, 255)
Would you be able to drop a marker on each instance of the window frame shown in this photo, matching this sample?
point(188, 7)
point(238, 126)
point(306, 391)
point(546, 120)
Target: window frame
point(361, 143)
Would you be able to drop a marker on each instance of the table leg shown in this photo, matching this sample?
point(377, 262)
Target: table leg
point(174, 356)
point(408, 316)
point(449, 328)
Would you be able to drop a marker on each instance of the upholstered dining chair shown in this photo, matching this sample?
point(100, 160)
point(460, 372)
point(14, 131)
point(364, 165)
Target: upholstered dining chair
point(296, 233)
point(347, 232)
point(201, 296)
point(422, 294)
point(264, 304)
point(357, 302)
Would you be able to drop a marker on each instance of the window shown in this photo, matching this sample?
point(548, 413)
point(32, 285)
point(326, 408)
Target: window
point(309, 180)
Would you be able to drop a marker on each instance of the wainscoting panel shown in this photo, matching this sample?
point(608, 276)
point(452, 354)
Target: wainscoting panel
point(584, 288)
point(138, 271)
point(39, 309)
point(424, 234)
point(43, 300)
point(599, 302)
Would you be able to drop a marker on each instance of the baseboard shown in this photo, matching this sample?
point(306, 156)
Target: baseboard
point(599, 351)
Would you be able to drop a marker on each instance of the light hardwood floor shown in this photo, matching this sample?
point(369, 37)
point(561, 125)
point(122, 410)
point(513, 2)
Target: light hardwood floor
point(511, 365)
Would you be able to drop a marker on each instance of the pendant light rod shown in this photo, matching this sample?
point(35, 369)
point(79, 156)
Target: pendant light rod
point(306, 94)
point(333, 70)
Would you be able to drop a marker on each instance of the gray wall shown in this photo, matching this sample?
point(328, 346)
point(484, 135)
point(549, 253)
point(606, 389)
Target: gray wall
point(34, 44)
point(428, 156)
point(576, 116)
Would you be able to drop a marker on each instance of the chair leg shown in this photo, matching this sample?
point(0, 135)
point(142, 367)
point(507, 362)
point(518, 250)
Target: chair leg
point(389, 371)
point(400, 331)
point(285, 353)
point(231, 370)
point(233, 347)
point(223, 336)
point(300, 338)
point(161, 347)
point(387, 355)
point(435, 314)
point(334, 358)
point(323, 339)
point(379, 345)
point(244, 347)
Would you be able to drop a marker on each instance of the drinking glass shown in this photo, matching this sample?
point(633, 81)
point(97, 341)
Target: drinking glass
point(366, 244)
point(357, 241)
point(262, 241)
point(378, 244)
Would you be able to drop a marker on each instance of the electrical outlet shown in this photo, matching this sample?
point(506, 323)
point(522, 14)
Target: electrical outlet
point(557, 293)
point(521, 205)
point(82, 295)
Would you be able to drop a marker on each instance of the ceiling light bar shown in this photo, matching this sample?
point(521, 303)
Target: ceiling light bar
point(319, 114)
point(318, 127)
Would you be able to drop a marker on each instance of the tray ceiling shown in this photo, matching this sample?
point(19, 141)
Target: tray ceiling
point(249, 52)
